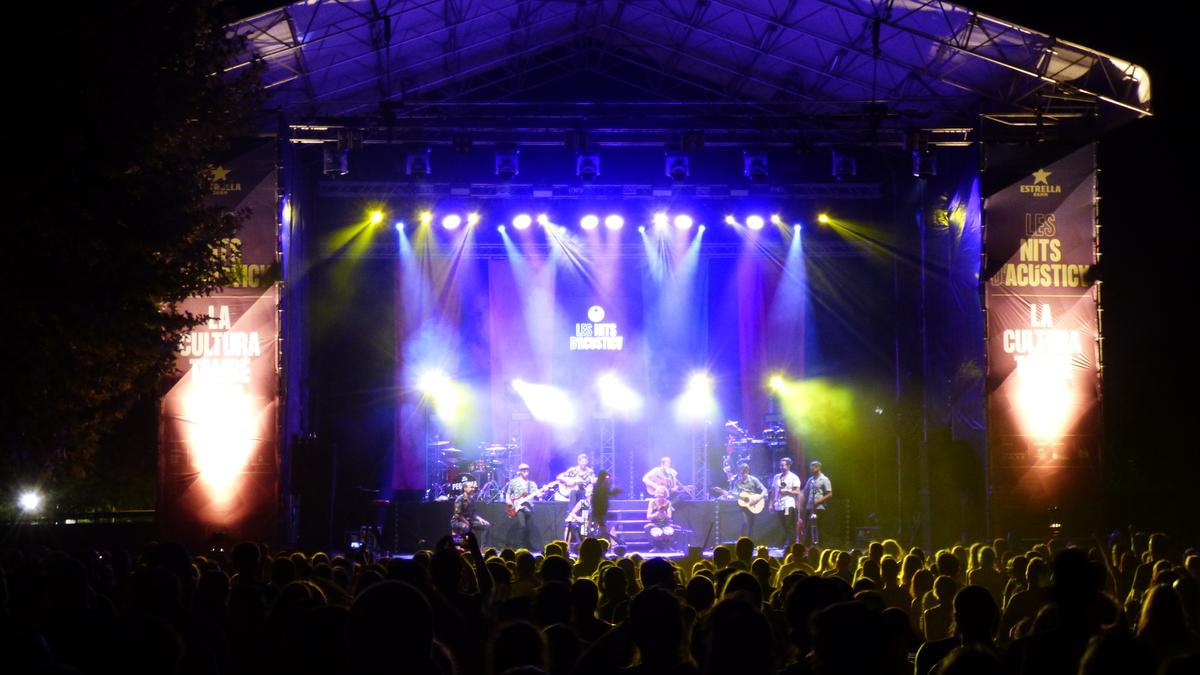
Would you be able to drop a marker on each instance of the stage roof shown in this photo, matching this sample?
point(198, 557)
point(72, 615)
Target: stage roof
point(741, 70)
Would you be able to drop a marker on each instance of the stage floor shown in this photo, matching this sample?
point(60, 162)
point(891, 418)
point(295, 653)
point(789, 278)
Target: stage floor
point(706, 524)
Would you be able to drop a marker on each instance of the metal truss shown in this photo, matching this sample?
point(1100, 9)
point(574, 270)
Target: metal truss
point(395, 190)
point(833, 66)
point(606, 446)
point(584, 251)
point(700, 453)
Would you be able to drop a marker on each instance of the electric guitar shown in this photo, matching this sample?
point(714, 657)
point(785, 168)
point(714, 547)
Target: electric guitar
point(512, 508)
point(751, 501)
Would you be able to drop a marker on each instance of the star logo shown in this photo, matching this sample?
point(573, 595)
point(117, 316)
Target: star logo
point(1040, 176)
point(218, 174)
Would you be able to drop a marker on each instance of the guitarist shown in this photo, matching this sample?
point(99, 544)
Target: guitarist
point(574, 482)
point(785, 489)
point(748, 486)
point(663, 476)
point(519, 495)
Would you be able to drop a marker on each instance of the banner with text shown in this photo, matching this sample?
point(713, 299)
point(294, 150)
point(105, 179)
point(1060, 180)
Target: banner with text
point(218, 438)
point(1043, 381)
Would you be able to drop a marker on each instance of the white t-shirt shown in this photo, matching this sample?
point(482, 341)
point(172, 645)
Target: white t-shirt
point(781, 481)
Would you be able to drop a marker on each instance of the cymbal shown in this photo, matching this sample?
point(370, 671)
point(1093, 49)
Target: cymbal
point(437, 444)
point(450, 451)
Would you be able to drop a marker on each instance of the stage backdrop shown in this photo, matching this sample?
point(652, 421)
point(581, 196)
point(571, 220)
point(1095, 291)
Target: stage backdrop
point(1043, 381)
point(218, 437)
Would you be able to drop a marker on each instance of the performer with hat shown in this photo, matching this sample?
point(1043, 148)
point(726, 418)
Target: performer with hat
point(519, 494)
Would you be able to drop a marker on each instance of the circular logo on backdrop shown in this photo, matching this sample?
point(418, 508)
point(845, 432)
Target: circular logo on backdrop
point(595, 314)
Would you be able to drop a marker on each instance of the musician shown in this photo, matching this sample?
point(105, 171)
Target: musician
point(659, 512)
point(785, 489)
point(518, 494)
point(819, 490)
point(576, 480)
point(464, 519)
point(746, 484)
point(661, 476)
point(578, 520)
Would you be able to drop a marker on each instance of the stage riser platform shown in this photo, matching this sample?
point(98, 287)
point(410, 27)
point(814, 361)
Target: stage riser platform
point(421, 525)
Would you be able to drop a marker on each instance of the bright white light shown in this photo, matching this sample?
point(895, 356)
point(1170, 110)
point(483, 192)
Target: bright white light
point(543, 219)
point(222, 436)
point(547, 404)
point(776, 219)
point(697, 402)
point(447, 396)
point(399, 225)
point(796, 228)
point(616, 397)
point(614, 222)
point(472, 219)
point(452, 221)
point(660, 220)
point(30, 501)
point(522, 221)
point(755, 222)
point(642, 228)
point(501, 228)
point(683, 221)
point(589, 222)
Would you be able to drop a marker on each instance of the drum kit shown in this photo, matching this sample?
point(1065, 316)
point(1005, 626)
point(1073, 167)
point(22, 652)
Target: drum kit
point(760, 453)
point(489, 469)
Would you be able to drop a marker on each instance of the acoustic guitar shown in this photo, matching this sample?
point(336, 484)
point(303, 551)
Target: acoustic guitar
point(751, 501)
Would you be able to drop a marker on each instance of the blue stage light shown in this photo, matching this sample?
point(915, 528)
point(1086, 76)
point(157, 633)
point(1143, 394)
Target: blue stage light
point(614, 222)
point(589, 222)
point(522, 221)
point(399, 225)
point(501, 228)
point(755, 222)
point(642, 229)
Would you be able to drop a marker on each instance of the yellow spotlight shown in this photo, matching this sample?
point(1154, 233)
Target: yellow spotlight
point(425, 217)
point(776, 219)
point(375, 216)
point(823, 218)
point(472, 219)
point(776, 382)
point(730, 220)
point(543, 220)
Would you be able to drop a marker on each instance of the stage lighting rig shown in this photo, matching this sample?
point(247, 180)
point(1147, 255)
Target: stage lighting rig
point(843, 165)
point(30, 501)
point(335, 161)
point(754, 165)
point(587, 165)
point(614, 222)
point(522, 221)
point(508, 163)
point(589, 222)
point(678, 165)
point(683, 221)
point(416, 163)
point(755, 222)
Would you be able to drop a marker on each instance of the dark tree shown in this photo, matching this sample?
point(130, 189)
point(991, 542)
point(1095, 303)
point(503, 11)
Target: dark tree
point(122, 106)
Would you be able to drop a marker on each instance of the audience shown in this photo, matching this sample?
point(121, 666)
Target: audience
point(1129, 605)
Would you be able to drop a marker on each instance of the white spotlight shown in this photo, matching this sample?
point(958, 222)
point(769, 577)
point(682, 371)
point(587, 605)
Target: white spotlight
point(30, 501)
point(543, 219)
point(683, 221)
point(589, 222)
point(660, 220)
point(755, 222)
point(614, 222)
point(616, 396)
point(522, 221)
point(546, 404)
point(452, 221)
point(697, 402)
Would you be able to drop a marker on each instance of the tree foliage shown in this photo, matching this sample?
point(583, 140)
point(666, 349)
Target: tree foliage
point(120, 115)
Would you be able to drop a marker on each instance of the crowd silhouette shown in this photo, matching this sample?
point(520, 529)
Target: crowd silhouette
point(1129, 605)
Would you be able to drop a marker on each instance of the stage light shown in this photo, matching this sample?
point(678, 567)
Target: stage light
point(616, 397)
point(425, 217)
point(522, 221)
point(472, 219)
point(823, 218)
point(399, 226)
point(683, 221)
point(754, 165)
point(589, 222)
point(452, 221)
point(447, 396)
point(545, 403)
point(416, 164)
point(730, 220)
point(543, 220)
point(375, 217)
point(844, 165)
point(660, 220)
point(796, 228)
point(642, 229)
point(335, 161)
point(777, 383)
point(614, 222)
point(701, 228)
point(562, 229)
point(508, 163)
point(30, 501)
point(677, 165)
point(697, 402)
point(587, 165)
point(776, 219)
point(501, 228)
point(755, 222)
